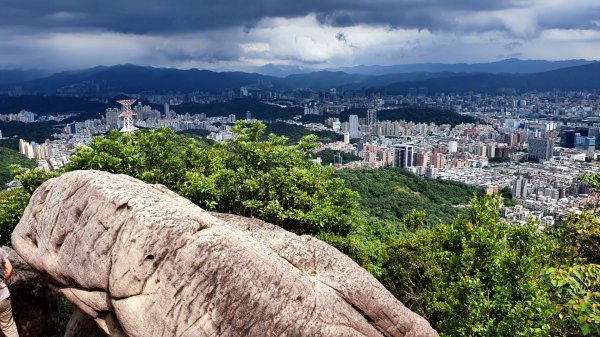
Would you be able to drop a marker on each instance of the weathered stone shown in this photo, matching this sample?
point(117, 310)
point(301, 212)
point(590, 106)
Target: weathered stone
point(142, 261)
point(81, 325)
point(35, 306)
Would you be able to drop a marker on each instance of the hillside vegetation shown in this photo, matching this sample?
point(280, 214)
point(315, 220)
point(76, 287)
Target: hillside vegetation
point(415, 115)
point(390, 194)
point(295, 132)
point(471, 275)
point(10, 157)
point(32, 132)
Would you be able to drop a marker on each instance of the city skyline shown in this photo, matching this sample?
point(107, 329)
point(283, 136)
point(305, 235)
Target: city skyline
point(237, 35)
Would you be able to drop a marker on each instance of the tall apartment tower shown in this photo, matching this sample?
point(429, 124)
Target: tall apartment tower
point(540, 149)
point(403, 156)
point(519, 188)
point(371, 116)
point(452, 146)
point(112, 118)
point(353, 126)
point(167, 110)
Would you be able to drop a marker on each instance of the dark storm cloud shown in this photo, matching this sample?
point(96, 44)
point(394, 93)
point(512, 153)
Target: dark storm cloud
point(65, 34)
point(163, 16)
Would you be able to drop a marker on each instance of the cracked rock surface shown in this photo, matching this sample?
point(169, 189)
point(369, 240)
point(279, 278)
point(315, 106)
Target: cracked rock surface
point(142, 261)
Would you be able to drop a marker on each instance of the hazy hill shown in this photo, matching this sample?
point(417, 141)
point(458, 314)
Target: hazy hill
point(43, 105)
point(18, 76)
point(584, 77)
point(321, 80)
point(397, 79)
point(515, 66)
point(131, 78)
point(280, 70)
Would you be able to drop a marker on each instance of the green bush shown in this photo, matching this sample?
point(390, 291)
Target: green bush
point(12, 206)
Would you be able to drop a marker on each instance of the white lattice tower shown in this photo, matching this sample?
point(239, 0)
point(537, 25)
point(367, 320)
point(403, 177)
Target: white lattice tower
point(127, 115)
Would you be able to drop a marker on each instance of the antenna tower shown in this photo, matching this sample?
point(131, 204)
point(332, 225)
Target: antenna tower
point(127, 115)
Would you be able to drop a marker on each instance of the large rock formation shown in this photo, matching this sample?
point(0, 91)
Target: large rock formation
point(143, 261)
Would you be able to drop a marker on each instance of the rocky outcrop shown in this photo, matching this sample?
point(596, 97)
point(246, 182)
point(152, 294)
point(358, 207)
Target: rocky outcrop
point(143, 261)
point(35, 306)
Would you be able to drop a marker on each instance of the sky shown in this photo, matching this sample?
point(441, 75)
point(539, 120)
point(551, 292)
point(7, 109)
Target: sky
point(315, 34)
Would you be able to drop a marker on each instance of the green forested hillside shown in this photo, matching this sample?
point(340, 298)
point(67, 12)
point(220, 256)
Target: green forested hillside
point(237, 107)
point(32, 132)
point(295, 132)
point(7, 158)
point(390, 194)
point(327, 156)
point(413, 114)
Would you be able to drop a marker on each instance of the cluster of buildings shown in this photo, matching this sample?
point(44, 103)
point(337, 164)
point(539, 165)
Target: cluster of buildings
point(50, 155)
point(23, 116)
point(534, 143)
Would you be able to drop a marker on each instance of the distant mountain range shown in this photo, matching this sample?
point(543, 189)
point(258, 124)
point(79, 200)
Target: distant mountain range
point(584, 77)
point(508, 66)
point(489, 77)
point(18, 76)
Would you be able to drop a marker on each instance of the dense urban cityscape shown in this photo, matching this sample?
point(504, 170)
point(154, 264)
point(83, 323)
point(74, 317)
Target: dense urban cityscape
point(509, 145)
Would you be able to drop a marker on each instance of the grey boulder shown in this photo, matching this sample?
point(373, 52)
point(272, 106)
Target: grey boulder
point(142, 261)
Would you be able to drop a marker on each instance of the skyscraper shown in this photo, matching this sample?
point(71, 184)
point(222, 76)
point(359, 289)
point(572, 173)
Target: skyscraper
point(167, 110)
point(519, 188)
point(452, 146)
point(112, 118)
point(403, 156)
point(540, 149)
point(371, 116)
point(353, 126)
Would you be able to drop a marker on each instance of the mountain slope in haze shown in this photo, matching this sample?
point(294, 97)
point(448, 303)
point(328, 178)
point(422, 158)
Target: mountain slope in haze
point(135, 79)
point(508, 66)
point(131, 78)
point(585, 77)
point(321, 80)
point(19, 76)
point(280, 70)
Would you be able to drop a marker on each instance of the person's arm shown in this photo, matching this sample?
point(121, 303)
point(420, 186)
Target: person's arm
point(7, 270)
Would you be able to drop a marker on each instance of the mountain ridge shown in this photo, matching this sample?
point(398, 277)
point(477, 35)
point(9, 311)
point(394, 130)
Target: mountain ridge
point(135, 79)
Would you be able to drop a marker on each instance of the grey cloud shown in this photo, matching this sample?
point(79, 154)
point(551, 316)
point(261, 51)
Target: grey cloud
point(164, 17)
point(513, 45)
point(163, 31)
point(341, 36)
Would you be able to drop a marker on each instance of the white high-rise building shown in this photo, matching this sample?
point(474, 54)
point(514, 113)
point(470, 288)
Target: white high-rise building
point(353, 126)
point(452, 146)
point(112, 118)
